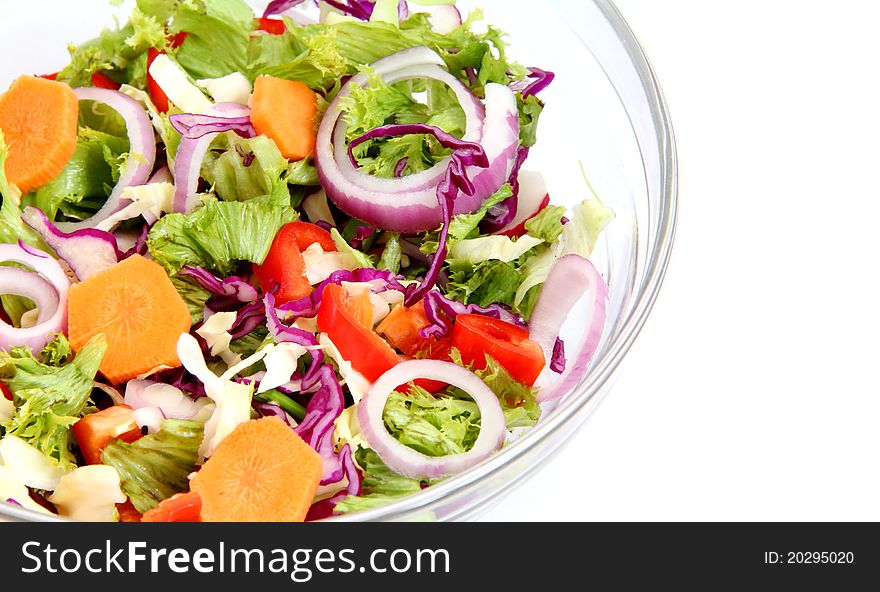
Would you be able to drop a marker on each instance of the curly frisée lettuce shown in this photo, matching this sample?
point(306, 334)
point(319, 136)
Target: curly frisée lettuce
point(219, 234)
point(50, 396)
point(156, 466)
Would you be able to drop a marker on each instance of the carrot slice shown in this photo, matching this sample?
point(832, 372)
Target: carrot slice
point(136, 307)
point(285, 110)
point(262, 472)
point(39, 121)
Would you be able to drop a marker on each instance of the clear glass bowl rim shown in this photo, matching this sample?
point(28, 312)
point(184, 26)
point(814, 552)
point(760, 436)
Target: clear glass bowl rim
point(603, 368)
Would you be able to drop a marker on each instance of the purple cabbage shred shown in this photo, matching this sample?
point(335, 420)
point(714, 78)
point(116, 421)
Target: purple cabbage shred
point(502, 214)
point(232, 287)
point(542, 79)
point(192, 126)
point(557, 361)
point(140, 245)
point(359, 9)
point(464, 155)
point(308, 307)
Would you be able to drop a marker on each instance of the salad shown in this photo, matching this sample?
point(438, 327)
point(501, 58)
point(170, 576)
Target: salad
point(279, 267)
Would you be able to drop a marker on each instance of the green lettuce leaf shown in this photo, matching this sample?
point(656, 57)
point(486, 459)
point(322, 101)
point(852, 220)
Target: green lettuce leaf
point(579, 236)
point(219, 234)
point(119, 52)
point(519, 402)
point(156, 466)
point(50, 396)
point(87, 179)
point(529, 114)
point(193, 295)
point(432, 425)
point(218, 37)
point(342, 246)
point(547, 225)
point(391, 255)
point(12, 227)
point(233, 181)
point(485, 283)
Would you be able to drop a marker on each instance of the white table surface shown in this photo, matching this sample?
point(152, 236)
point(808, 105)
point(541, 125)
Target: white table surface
point(752, 393)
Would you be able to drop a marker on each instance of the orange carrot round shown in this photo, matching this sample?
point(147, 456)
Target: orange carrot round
point(284, 110)
point(136, 307)
point(262, 472)
point(39, 121)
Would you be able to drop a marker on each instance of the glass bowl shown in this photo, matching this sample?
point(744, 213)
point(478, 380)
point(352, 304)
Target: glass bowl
point(605, 121)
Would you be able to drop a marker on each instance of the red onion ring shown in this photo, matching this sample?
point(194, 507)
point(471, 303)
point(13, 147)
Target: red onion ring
point(409, 204)
point(409, 462)
point(142, 151)
point(190, 154)
point(86, 251)
point(46, 285)
point(571, 278)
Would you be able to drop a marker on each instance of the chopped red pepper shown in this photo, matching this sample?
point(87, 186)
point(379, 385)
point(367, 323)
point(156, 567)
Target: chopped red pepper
point(478, 335)
point(180, 507)
point(271, 26)
point(101, 80)
point(94, 431)
point(284, 265)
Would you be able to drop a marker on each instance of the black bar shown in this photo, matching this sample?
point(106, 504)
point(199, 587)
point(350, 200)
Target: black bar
point(699, 556)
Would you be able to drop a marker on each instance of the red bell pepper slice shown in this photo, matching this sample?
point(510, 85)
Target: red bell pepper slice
point(101, 80)
point(94, 431)
point(348, 323)
point(271, 26)
point(180, 507)
point(157, 95)
point(284, 265)
point(475, 336)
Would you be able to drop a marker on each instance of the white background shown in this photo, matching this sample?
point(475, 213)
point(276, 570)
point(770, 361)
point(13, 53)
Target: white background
point(752, 392)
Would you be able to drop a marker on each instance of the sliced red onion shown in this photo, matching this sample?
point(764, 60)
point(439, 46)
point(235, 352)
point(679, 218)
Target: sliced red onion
point(440, 310)
point(409, 204)
point(192, 150)
point(141, 153)
point(86, 251)
point(532, 197)
point(162, 175)
point(46, 285)
point(571, 278)
point(409, 462)
point(425, 180)
point(445, 18)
